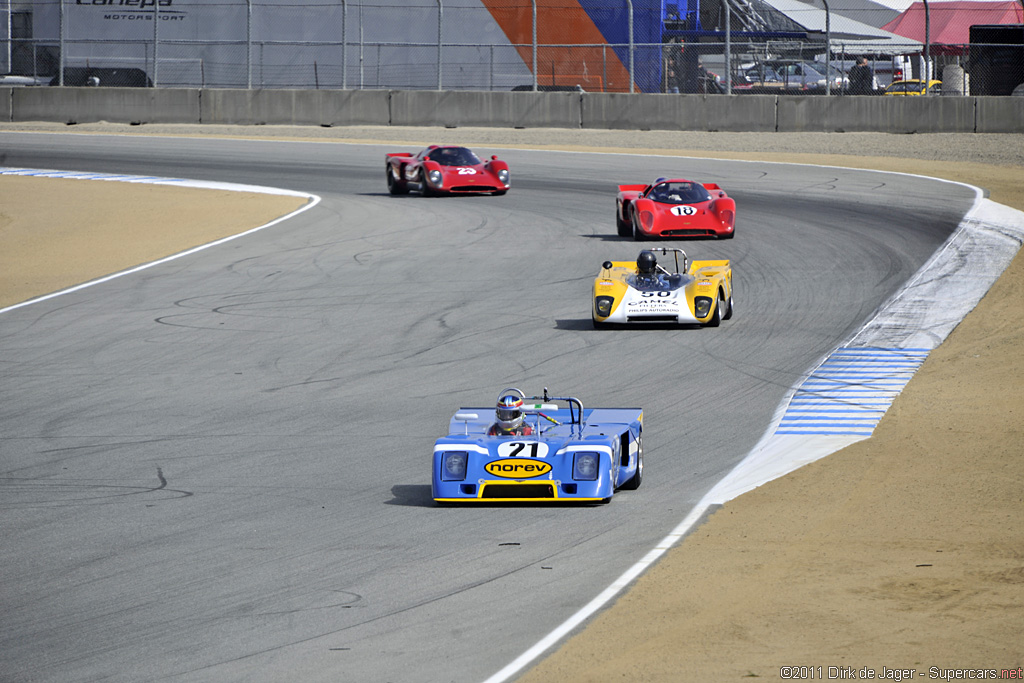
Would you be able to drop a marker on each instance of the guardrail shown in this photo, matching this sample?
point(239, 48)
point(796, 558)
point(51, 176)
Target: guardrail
point(739, 113)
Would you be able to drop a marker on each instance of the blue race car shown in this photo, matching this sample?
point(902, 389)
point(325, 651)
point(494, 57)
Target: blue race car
point(538, 448)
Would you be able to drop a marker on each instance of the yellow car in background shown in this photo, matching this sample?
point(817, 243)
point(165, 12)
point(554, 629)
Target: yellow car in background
point(913, 86)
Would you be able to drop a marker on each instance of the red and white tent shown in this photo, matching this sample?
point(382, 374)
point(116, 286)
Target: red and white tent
point(950, 22)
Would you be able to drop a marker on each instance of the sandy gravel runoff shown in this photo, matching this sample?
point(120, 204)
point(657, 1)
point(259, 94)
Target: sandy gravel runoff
point(901, 552)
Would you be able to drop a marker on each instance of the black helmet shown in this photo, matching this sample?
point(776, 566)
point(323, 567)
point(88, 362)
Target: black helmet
point(646, 263)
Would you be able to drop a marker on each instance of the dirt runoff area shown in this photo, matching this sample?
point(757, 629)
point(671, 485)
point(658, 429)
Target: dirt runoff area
point(898, 558)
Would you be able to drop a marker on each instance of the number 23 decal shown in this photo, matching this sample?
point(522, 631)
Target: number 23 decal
point(523, 449)
point(467, 171)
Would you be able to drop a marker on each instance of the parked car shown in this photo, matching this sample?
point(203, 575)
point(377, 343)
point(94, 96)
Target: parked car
point(790, 76)
point(913, 86)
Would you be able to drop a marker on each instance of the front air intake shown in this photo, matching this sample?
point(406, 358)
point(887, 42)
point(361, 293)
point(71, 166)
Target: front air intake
point(519, 491)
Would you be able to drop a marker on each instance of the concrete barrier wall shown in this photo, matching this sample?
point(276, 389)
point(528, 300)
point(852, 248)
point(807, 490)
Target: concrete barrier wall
point(1000, 114)
point(754, 113)
point(487, 109)
point(117, 105)
point(295, 107)
point(876, 114)
point(6, 94)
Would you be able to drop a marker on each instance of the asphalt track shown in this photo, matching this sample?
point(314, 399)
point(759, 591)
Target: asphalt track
point(216, 469)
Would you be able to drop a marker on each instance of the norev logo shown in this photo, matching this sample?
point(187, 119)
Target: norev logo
point(124, 3)
point(517, 468)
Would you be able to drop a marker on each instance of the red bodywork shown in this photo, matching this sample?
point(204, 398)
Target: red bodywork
point(445, 169)
point(698, 210)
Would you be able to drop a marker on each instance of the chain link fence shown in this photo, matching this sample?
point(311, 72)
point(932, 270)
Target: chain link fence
point(616, 46)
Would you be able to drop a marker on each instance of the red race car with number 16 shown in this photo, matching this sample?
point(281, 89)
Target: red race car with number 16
point(675, 208)
point(445, 170)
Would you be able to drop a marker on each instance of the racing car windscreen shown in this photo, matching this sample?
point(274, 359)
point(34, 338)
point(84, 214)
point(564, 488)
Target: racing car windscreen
point(455, 156)
point(679, 192)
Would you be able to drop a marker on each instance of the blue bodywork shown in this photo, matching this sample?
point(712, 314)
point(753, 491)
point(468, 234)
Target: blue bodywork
point(582, 460)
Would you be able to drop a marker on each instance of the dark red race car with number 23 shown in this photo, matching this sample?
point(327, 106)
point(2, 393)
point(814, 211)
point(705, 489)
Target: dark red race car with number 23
point(446, 170)
point(675, 208)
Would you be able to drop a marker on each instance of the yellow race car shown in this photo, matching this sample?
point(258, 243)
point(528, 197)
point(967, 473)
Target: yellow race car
point(646, 292)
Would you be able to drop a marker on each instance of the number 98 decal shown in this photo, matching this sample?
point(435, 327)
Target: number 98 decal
point(523, 449)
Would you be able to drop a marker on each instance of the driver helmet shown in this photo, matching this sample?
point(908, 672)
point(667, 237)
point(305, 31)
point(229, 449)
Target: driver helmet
point(509, 412)
point(646, 263)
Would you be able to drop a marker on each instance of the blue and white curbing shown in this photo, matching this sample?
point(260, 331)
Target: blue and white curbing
point(866, 374)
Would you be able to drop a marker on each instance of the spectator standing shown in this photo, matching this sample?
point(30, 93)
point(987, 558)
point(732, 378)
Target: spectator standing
point(673, 65)
point(862, 78)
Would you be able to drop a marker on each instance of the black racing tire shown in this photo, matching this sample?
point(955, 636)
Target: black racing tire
point(728, 309)
point(624, 229)
point(394, 186)
point(498, 193)
point(424, 188)
point(716, 317)
point(634, 482)
point(600, 325)
point(636, 233)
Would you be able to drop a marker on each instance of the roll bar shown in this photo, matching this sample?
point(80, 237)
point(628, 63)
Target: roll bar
point(575, 417)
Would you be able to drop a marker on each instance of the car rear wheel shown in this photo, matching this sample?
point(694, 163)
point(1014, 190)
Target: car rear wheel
point(637, 236)
point(728, 309)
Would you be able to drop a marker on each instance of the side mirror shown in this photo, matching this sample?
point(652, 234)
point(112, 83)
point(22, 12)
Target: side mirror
point(606, 265)
point(494, 157)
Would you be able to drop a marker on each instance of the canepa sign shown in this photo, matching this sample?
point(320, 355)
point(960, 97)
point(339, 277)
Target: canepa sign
point(517, 468)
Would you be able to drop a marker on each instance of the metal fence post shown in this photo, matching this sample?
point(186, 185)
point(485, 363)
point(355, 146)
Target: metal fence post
point(361, 46)
point(629, 8)
point(344, 46)
point(10, 47)
point(440, 21)
point(248, 44)
point(156, 40)
point(63, 62)
point(728, 48)
point(534, 4)
point(828, 50)
point(927, 75)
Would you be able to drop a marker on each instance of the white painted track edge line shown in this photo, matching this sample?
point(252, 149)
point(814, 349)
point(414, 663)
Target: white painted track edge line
point(312, 200)
point(592, 607)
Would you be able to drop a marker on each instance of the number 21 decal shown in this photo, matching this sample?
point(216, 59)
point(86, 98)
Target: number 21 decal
point(523, 449)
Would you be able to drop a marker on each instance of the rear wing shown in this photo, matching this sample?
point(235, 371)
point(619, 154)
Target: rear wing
point(398, 154)
point(632, 188)
point(711, 186)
